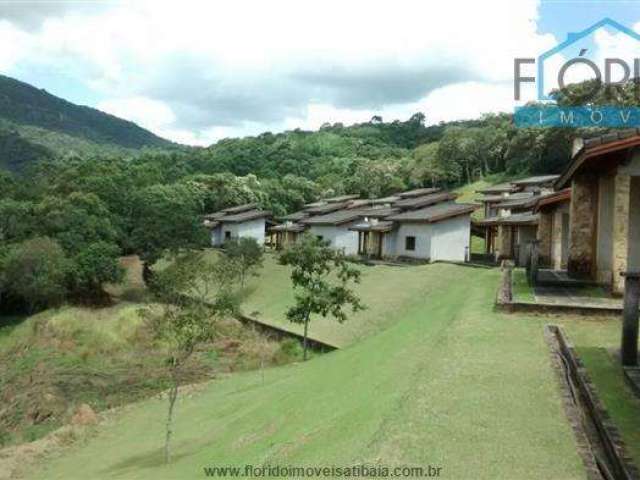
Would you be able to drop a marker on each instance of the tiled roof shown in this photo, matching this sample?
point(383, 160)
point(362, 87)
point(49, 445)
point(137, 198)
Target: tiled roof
point(553, 198)
point(326, 208)
point(499, 188)
point(588, 148)
point(334, 218)
point(240, 208)
point(515, 219)
point(425, 200)
point(539, 180)
point(434, 213)
point(341, 198)
point(295, 216)
point(245, 216)
point(287, 227)
point(379, 212)
point(418, 192)
point(521, 200)
point(383, 226)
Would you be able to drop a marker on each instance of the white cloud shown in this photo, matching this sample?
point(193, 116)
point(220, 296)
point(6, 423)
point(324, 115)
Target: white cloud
point(231, 67)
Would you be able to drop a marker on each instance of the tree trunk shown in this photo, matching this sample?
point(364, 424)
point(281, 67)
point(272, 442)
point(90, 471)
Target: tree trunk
point(147, 273)
point(304, 342)
point(173, 395)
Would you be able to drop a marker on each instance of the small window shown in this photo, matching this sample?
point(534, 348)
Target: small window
point(319, 237)
point(227, 235)
point(410, 243)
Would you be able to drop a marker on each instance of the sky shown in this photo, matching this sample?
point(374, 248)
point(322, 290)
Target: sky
point(199, 71)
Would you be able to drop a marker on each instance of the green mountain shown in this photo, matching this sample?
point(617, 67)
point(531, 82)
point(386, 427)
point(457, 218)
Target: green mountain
point(36, 125)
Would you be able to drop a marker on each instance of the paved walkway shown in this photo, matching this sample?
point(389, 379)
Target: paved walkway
point(574, 297)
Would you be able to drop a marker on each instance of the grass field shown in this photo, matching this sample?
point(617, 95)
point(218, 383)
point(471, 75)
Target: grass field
point(387, 291)
point(448, 382)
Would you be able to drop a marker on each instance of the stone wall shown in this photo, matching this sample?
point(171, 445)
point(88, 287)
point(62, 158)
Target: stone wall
point(545, 235)
point(620, 230)
point(504, 242)
point(584, 194)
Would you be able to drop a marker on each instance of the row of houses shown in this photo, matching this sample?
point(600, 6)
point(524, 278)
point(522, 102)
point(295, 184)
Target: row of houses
point(586, 220)
point(424, 224)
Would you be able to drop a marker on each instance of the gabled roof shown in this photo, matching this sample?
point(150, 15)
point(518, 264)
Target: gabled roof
point(553, 199)
point(295, 216)
point(434, 213)
point(515, 219)
point(539, 180)
point(341, 198)
point(519, 200)
point(590, 148)
point(499, 188)
point(418, 192)
point(326, 208)
point(288, 227)
point(240, 208)
point(425, 200)
point(382, 226)
point(334, 218)
point(245, 216)
point(378, 212)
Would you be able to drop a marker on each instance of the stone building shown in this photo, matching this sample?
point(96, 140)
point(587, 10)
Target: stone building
point(604, 236)
point(553, 229)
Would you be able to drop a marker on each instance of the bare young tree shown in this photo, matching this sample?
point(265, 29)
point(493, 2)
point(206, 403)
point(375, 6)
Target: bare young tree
point(192, 295)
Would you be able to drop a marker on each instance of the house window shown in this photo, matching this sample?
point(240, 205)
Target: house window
point(227, 235)
point(410, 243)
point(319, 237)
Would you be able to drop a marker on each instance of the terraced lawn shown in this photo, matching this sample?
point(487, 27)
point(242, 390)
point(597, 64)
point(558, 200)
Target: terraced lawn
point(445, 381)
point(387, 291)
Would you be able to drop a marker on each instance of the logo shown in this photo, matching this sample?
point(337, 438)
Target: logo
point(555, 68)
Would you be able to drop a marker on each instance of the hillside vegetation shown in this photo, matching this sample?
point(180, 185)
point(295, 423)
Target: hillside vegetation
point(36, 125)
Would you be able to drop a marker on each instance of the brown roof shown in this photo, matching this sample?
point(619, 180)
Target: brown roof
point(341, 198)
point(326, 208)
point(295, 216)
point(418, 192)
point(245, 216)
point(287, 227)
point(379, 212)
point(539, 180)
point(425, 200)
point(590, 148)
point(499, 188)
point(434, 213)
point(515, 219)
point(334, 218)
point(519, 200)
point(240, 208)
point(383, 226)
point(553, 199)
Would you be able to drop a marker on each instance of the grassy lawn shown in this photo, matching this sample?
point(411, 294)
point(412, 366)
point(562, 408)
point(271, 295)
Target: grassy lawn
point(522, 291)
point(387, 291)
point(448, 382)
point(596, 341)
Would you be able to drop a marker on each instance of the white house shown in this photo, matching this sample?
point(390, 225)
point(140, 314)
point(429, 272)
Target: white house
point(245, 221)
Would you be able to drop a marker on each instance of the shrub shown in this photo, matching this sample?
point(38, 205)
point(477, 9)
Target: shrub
point(36, 271)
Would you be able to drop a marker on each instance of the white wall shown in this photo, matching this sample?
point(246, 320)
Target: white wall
point(216, 236)
point(251, 229)
point(422, 233)
point(450, 238)
point(339, 236)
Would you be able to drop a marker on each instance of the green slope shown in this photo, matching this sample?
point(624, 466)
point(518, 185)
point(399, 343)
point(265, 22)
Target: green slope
point(35, 125)
point(450, 383)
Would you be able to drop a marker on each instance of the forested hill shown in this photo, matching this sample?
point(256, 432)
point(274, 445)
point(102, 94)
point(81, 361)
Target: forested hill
point(35, 124)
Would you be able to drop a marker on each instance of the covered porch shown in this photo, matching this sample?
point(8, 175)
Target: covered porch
point(285, 234)
point(374, 237)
